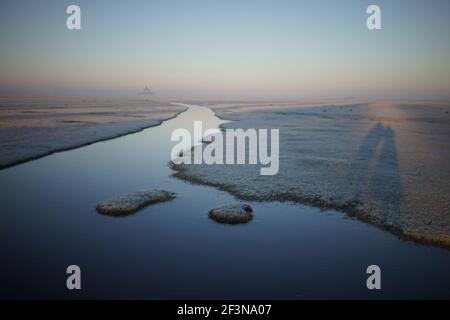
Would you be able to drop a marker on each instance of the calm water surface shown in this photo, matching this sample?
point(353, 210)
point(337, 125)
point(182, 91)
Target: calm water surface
point(172, 250)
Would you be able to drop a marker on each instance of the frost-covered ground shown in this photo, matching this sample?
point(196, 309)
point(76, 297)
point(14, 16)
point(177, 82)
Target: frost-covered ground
point(34, 127)
point(387, 163)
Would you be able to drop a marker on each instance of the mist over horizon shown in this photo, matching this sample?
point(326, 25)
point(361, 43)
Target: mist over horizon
point(198, 151)
point(227, 50)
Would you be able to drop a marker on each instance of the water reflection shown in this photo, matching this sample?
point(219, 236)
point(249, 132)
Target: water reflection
point(172, 249)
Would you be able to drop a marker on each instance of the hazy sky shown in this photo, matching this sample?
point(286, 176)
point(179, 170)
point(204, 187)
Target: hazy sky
point(227, 49)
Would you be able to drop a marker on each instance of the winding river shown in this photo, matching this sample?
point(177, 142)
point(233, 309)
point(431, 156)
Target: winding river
point(172, 250)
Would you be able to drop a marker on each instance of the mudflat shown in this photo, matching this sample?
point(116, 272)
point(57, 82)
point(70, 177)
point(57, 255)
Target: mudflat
point(34, 127)
point(385, 162)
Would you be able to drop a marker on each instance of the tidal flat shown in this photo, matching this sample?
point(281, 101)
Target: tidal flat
point(385, 162)
point(34, 127)
point(173, 250)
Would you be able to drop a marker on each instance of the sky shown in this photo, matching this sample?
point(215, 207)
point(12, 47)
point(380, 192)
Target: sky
point(229, 49)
